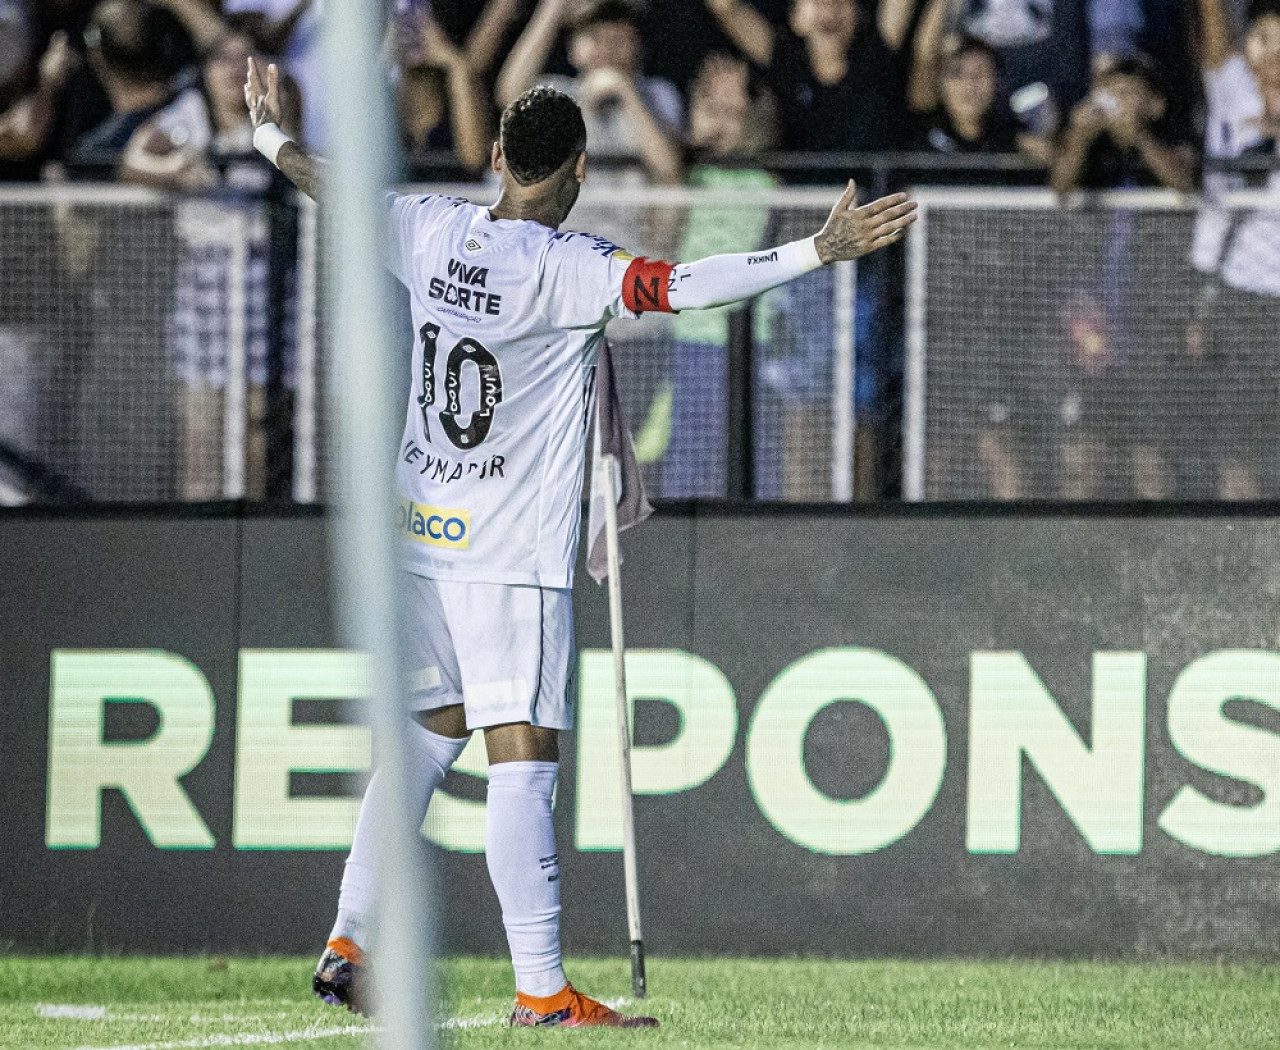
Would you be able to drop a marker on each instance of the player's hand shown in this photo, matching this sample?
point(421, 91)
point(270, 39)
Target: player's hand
point(263, 98)
point(852, 231)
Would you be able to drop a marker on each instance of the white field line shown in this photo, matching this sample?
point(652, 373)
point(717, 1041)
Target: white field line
point(71, 1011)
point(307, 1035)
point(99, 1013)
point(487, 1021)
point(93, 1012)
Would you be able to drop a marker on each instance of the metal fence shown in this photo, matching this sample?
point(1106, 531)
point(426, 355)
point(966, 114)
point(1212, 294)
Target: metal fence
point(162, 348)
point(139, 335)
point(1121, 346)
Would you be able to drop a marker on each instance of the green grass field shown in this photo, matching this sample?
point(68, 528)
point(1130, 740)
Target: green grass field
point(160, 1004)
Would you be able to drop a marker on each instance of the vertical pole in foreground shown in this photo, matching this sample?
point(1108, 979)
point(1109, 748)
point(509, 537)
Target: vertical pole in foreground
point(234, 413)
point(305, 432)
point(608, 466)
point(361, 391)
point(843, 387)
point(913, 415)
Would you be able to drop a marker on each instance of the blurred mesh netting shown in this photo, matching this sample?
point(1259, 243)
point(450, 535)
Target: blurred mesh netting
point(134, 340)
point(1082, 353)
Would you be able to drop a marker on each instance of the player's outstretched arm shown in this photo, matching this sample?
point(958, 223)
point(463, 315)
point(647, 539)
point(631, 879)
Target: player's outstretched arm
point(850, 231)
point(263, 98)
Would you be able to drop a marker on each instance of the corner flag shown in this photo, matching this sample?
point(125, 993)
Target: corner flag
point(612, 439)
point(617, 503)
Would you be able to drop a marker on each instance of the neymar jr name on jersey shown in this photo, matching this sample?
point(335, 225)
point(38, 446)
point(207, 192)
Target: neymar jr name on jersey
point(439, 468)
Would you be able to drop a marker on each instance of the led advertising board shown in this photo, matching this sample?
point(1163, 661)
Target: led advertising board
point(911, 734)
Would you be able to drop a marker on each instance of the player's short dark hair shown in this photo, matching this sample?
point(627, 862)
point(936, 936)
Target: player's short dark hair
point(600, 12)
point(1262, 8)
point(541, 131)
point(138, 40)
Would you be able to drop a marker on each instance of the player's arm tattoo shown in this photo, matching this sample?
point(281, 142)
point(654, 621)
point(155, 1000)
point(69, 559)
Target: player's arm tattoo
point(302, 169)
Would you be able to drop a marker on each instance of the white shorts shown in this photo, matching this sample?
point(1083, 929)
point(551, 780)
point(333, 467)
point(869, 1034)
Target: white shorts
point(503, 651)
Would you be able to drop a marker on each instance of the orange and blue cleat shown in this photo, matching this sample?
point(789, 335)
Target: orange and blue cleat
point(337, 977)
point(569, 1008)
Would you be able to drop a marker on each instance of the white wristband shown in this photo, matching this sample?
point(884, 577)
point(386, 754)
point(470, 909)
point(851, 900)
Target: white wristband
point(805, 253)
point(269, 140)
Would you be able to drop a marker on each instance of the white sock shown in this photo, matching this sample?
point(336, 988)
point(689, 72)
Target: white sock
point(430, 756)
point(520, 849)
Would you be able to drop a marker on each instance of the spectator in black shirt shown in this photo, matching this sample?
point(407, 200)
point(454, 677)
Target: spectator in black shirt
point(972, 117)
point(834, 70)
point(1116, 347)
point(1043, 41)
point(961, 96)
point(1114, 139)
point(136, 49)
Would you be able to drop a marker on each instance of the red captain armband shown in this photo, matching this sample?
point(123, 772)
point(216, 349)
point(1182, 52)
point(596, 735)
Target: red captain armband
point(645, 286)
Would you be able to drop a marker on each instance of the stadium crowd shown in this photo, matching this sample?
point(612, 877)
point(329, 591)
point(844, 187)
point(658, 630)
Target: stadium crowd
point(1072, 94)
point(1102, 91)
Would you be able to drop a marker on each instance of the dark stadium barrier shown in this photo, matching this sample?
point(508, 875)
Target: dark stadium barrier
point(919, 732)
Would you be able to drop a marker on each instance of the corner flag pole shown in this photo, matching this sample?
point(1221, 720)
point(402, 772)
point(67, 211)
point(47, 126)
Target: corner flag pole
point(608, 465)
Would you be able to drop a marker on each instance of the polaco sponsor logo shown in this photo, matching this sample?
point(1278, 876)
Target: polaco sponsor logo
point(435, 526)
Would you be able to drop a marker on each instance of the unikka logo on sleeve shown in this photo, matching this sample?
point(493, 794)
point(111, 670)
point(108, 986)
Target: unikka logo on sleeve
point(435, 526)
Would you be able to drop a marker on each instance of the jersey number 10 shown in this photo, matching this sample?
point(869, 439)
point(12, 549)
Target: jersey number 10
point(473, 434)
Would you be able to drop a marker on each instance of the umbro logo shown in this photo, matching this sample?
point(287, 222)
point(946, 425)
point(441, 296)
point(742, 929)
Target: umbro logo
point(473, 245)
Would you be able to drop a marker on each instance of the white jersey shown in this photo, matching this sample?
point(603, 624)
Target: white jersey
point(1246, 250)
point(509, 315)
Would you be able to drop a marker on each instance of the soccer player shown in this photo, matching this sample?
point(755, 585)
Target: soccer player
point(490, 483)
